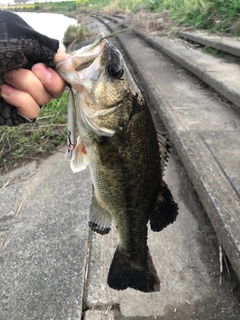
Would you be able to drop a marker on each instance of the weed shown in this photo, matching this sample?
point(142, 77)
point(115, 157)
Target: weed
point(34, 140)
point(75, 34)
point(212, 51)
point(215, 15)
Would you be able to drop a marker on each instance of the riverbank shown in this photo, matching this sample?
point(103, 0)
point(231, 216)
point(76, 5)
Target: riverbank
point(211, 15)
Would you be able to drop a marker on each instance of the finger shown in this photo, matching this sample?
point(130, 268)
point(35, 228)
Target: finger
point(60, 55)
point(25, 80)
point(51, 81)
point(25, 104)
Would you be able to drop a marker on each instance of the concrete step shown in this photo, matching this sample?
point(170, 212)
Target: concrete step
point(219, 73)
point(230, 45)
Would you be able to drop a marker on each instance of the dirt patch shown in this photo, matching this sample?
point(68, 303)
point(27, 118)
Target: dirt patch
point(155, 24)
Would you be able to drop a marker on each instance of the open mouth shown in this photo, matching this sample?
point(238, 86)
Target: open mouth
point(83, 64)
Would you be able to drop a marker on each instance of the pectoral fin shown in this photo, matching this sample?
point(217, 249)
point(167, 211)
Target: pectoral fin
point(79, 160)
point(165, 211)
point(99, 218)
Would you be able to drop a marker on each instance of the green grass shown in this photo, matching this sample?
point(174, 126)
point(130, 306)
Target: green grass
point(68, 6)
point(214, 15)
point(33, 141)
point(75, 34)
point(213, 52)
point(63, 6)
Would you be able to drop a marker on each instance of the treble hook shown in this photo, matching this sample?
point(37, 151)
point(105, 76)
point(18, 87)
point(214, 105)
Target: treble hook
point(71, 134)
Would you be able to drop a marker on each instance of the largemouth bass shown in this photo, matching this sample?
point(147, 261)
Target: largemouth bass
point(126, 156)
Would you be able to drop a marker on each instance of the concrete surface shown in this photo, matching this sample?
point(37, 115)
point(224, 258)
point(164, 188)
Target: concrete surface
point(99, 315)
point(218, 73)
point(226, 44)
point(43, 241)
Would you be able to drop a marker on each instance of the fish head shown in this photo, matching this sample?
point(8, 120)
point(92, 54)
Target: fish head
point(103, 83)
point(72, 69)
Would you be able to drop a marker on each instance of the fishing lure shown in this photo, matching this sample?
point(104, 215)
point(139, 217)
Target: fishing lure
point(71, 134)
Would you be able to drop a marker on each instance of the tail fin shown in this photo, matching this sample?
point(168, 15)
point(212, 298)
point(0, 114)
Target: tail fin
point(126, 273)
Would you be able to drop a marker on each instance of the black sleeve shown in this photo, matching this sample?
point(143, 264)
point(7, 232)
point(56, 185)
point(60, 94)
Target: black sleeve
point(21, 47)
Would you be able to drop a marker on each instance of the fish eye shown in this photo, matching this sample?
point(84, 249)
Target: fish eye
point(115, 71)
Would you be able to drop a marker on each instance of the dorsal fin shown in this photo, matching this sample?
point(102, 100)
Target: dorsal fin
point(165, 211)
point(164, 148)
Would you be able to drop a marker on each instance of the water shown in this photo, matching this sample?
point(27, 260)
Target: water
point(52, 25)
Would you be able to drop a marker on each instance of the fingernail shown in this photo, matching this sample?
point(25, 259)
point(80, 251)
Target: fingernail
point(6, 90)
point(9, 75)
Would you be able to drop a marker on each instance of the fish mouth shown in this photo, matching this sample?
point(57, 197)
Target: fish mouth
point(89, 62)
point(85, 63)
point(85, 56)
point(72, 68)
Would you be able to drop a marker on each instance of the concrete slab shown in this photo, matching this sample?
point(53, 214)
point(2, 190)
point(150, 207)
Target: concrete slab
point(44, 232)
point(190, 106)
point(186, 267)
point(99, 315)
point(220, 144)
point(215, 191)
point(102, 248)
point(226, 44)
point(218, 73)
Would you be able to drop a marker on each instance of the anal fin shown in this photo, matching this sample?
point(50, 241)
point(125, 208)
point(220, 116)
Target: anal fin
point(99, 218)
point(165, 211)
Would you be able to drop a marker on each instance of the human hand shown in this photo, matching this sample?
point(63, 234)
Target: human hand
point(28, 89)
